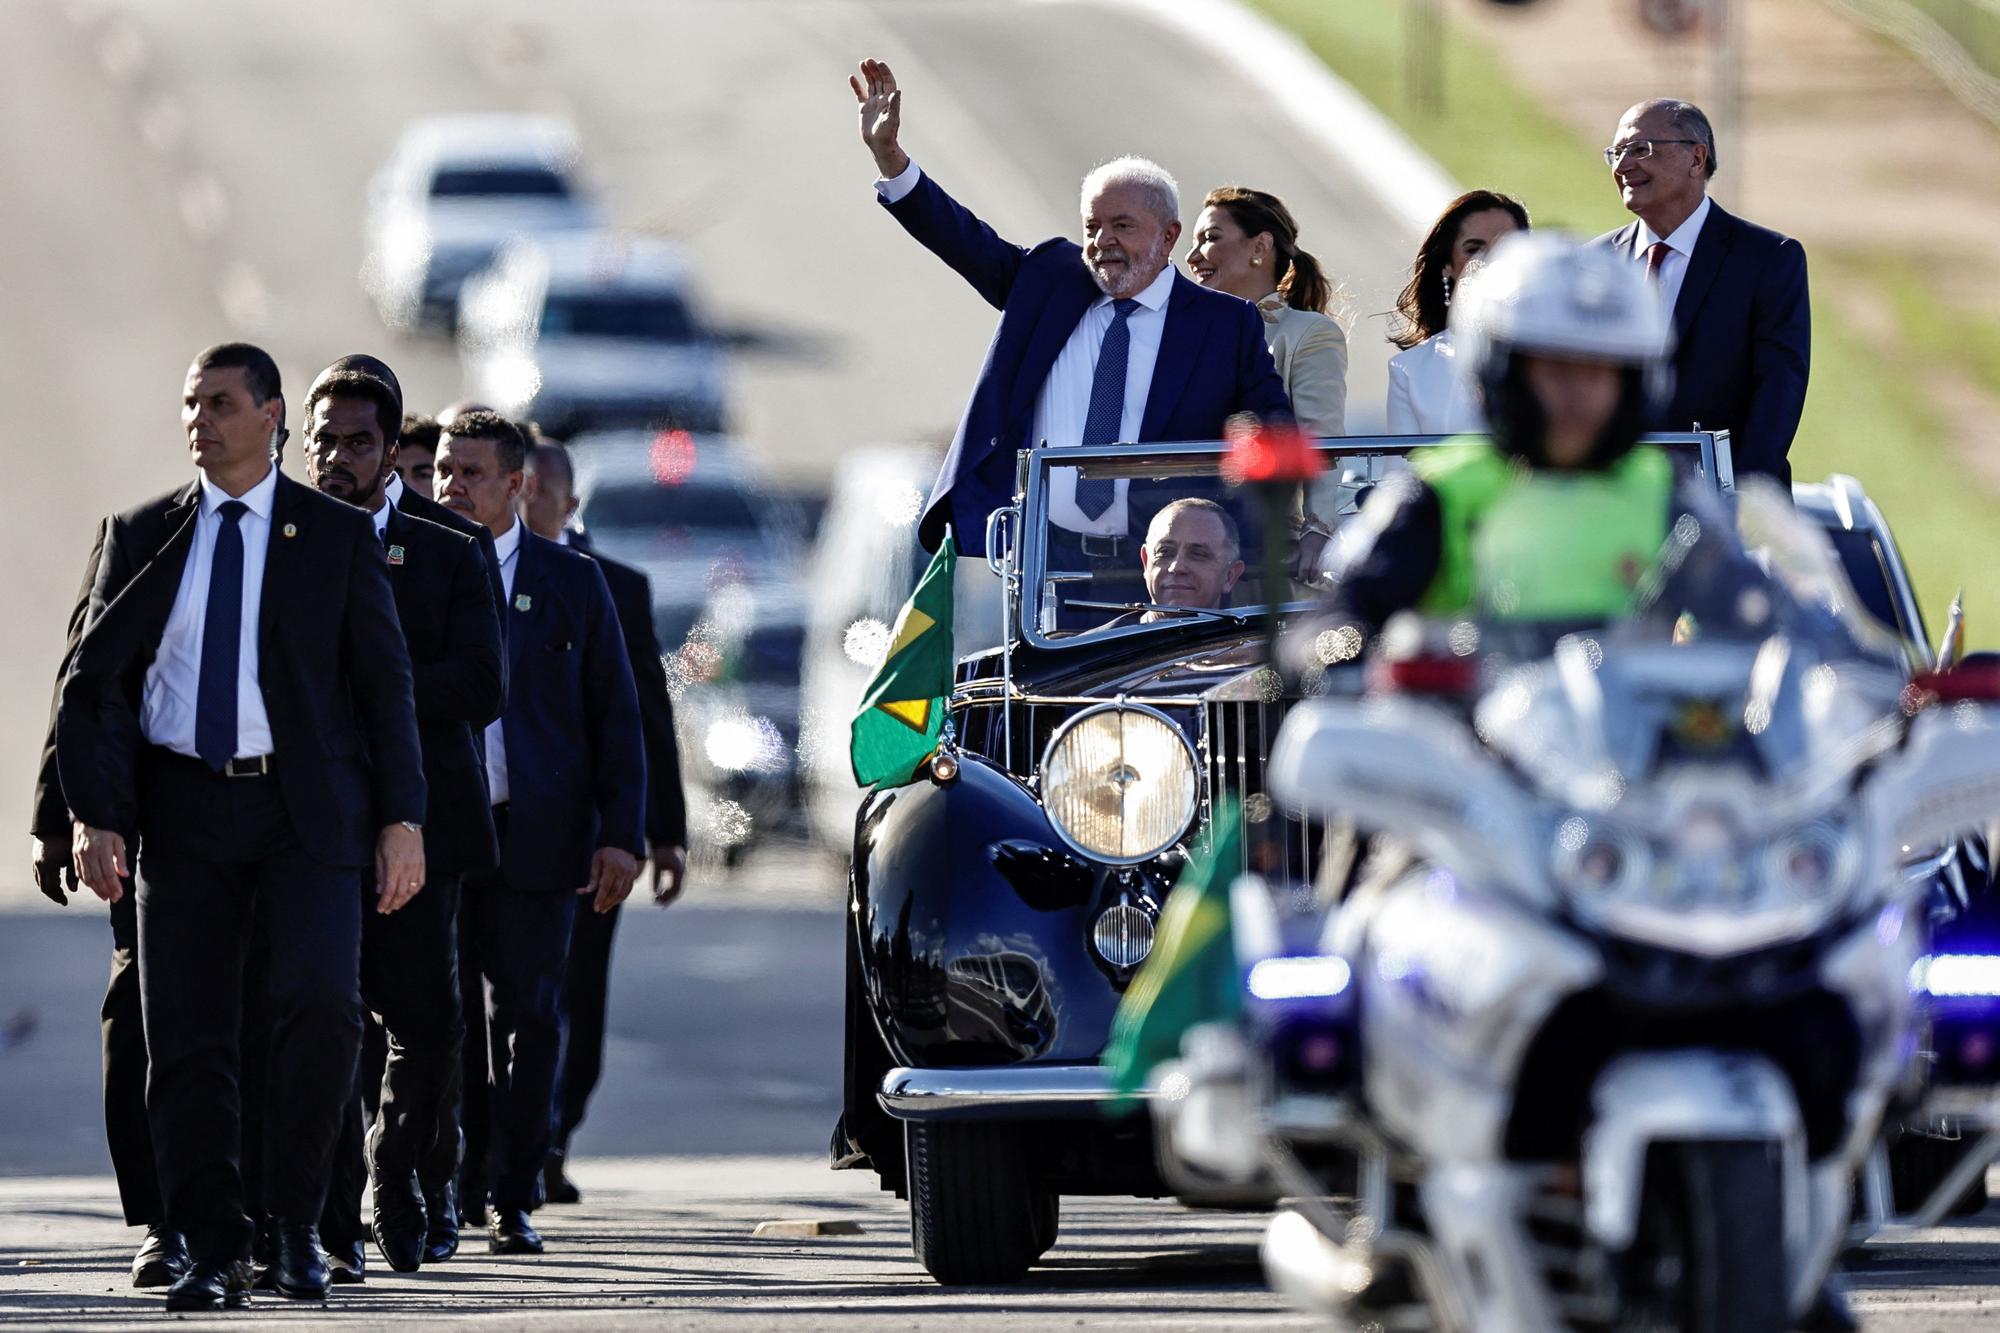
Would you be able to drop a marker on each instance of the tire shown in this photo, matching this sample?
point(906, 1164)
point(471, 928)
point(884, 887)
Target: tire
point(1918, 1164)
point(1048, 1221)
point(973, 1213)
point(1710, 1254)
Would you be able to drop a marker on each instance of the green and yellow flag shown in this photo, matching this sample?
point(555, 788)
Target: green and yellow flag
point(903, 709)
point(1191, 976)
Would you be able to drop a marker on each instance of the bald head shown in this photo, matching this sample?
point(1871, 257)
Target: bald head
point(549, 497)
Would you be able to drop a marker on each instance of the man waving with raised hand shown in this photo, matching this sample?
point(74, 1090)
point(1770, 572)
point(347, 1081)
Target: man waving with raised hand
point(1098, 343)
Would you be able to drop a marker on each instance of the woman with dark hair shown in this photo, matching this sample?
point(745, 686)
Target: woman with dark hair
point(1427, 396)
point(1246, 243)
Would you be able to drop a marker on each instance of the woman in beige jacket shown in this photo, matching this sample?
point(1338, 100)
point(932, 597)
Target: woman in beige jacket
point(1246, 243)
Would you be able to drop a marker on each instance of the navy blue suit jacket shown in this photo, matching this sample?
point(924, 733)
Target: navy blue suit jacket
point(1745, 340)
point(576, 762)
point(1213, 360)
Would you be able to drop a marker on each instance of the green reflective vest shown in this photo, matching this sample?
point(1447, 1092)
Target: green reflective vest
point(1522, 543)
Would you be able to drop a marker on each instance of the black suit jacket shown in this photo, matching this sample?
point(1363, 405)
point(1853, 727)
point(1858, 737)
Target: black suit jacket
point(632, 596)
point(51, 817)
point(1744, 324)
point(419, 506)
point(453, 632)
point(332, 668)
point(576, 764)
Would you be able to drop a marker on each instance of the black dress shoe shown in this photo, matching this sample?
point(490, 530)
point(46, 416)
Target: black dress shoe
point(511, 1233)
point(347, 1262)
point(162, 1259)
point(472, 1199)
point(556, 1186)
point(211, 1284)
point(298, 1265)
point(441, 1229)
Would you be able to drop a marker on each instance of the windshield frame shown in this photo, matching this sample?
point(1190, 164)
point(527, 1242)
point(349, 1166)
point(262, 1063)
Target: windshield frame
point(1708, 450)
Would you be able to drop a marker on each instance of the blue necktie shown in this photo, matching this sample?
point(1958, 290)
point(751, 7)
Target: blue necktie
point(221, 643)
point(1107, 406)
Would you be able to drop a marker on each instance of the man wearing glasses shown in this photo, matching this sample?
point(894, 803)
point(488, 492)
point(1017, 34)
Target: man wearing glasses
point(1737, 290)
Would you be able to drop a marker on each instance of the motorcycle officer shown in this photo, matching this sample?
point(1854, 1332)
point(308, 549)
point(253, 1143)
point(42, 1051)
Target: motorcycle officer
point(1558, 517)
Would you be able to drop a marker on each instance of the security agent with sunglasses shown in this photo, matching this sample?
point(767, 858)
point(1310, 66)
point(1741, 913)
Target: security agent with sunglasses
point(1741, 317)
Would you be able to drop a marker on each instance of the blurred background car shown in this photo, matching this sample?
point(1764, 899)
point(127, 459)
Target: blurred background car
point(863, 565)
point(691, 512)
point(452, 191)
point(590, 332)
point(736, 687)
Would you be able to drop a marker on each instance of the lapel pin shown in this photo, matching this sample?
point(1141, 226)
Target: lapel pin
point(291, 529)
point(522, 601)
point(395, 555)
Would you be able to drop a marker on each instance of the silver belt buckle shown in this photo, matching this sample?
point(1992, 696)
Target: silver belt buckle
point(257, 767)
point(1103, 548)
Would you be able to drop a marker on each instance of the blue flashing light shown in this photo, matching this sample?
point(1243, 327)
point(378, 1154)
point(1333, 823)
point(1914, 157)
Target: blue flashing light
point(1300, 978)
point(1957, 975)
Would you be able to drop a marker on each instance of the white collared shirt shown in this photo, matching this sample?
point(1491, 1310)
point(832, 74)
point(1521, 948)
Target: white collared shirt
point(1064, 403)
point(1680, 249)
point(392, 489)
point(173, 682)
point(507, 546)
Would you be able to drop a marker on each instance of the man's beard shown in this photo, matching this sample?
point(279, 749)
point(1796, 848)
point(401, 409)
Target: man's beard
point(1132, 280)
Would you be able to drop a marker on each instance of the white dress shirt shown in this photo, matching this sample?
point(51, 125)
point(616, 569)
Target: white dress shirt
point(1064, 403)
point(507, 546)
point(173, 682)
point(1427, 393)
point(392, 489)
point(1680, 249)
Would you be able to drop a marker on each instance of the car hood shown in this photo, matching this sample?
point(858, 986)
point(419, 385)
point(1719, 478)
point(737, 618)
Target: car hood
point(1217, 660)
point(627, 367)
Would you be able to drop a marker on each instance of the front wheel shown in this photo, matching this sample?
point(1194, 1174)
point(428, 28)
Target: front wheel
point(975, 1218)
point(1710, 1253)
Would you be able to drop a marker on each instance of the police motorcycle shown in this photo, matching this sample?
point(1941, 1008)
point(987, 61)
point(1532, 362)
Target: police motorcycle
point(1617, 1010)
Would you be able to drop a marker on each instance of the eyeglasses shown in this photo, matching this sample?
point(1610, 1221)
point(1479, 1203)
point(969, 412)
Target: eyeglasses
point(1638, 150)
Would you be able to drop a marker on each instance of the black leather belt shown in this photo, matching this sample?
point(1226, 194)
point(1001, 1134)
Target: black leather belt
point(1101, 548)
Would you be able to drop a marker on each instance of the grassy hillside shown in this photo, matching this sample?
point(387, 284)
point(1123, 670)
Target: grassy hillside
point(1865, 412)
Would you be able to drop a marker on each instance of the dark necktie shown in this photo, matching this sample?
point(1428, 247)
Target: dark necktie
point(1107, 406)
point(1656, 255)
point(221, 643)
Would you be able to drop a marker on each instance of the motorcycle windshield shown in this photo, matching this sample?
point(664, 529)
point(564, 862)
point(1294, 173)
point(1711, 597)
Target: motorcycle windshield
point(1748, 659)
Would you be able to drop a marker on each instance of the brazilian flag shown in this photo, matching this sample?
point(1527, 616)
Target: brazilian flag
point(903, 709)
point(1191, 976)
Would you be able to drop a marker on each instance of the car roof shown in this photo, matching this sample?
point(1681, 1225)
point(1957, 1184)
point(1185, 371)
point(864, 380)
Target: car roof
point(602, 261)
point(625, 456)
point(492, 137)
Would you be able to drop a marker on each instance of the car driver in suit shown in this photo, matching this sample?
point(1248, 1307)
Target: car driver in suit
point(1098, 344)
point(240, 700)
point(409, 960)
point(1742, 318)
point(566, 772)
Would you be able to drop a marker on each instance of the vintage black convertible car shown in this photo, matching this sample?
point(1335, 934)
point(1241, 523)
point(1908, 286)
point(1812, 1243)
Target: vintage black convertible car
point(1002, 903)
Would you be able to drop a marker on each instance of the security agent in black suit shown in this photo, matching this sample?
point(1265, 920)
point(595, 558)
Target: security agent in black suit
point(409, 960)
point(1742, 314)
point(241, 700)
point(162, 1255)
point(567, 773)
point(548, 502)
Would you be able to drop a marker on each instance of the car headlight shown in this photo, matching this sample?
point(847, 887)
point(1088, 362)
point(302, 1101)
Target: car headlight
point(1592, 858)
point(1120, 783)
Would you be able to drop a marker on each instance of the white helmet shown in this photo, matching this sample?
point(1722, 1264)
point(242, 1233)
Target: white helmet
point(1552, 294)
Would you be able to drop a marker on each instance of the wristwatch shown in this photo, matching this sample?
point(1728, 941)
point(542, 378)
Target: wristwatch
point(412, 825)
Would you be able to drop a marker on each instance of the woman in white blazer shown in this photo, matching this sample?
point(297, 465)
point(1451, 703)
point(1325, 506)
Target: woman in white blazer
point(1427, 396)
point(1246, 243)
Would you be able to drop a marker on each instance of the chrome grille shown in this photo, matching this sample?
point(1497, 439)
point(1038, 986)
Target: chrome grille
point(1123, 935)
point(1237, 747)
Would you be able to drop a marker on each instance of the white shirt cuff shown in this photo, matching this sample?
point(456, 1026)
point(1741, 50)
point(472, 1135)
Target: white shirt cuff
point(894, 191)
